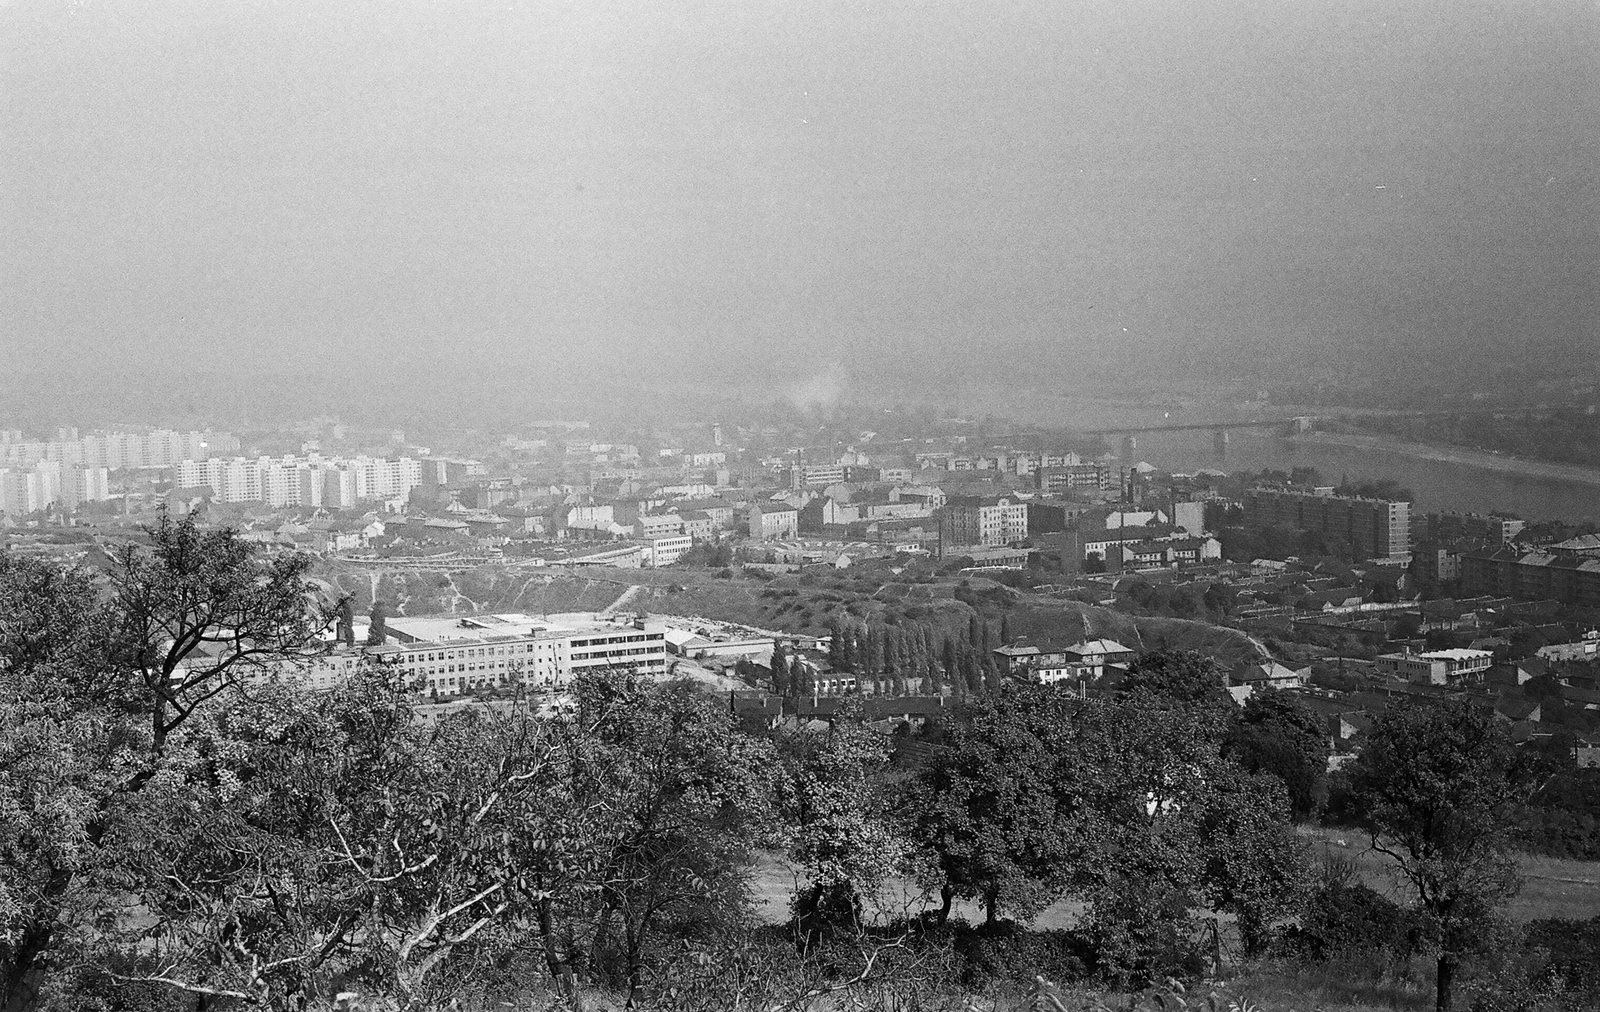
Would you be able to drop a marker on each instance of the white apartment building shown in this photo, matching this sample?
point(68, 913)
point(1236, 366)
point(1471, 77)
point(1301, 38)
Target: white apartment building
point(47, 483)
point(155, 448)
point(296, 481)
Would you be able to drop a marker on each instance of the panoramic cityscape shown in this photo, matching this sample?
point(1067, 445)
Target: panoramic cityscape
point(816, 507)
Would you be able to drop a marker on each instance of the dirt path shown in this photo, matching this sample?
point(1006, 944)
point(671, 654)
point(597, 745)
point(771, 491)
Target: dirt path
point(622, 599)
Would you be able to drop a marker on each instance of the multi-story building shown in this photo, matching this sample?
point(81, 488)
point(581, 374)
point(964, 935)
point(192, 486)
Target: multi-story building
point(1451, 526)
point(113, 450)
point(1029, 663)
point(1533, 576)
point(972, 520)
point(664, 551)
point(699, 525)
point(1058, 480)
point(447, 656)
point(773, 520)
point(47, 483)
point(301, 481)
point(815, 474)
point(449, 470)
point(658, 525)
point(1438, 667)
point(1375, 528)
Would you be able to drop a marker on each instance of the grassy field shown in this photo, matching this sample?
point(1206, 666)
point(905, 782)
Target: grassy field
point(1551, 887)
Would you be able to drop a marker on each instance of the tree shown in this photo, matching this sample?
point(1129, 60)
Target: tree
point(690, 795)
point(838, 820)
point(782, 683)
point(1257, 867)
point(378, 630)
point(189, 616)
point(1277, 734)
point(1178, 676)
point(1433, 788)
point(346, 621)
point(989, 807)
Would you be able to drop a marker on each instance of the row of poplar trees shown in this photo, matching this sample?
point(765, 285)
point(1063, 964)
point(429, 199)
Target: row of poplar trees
point(918, 657)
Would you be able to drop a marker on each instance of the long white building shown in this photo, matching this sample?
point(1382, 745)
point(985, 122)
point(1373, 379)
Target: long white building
point(335, 482)
point(115, 449)
point(448, 656)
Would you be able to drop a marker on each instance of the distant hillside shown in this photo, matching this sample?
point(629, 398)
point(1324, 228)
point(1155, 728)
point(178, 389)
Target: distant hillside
point(786, 603)
point(485, 589)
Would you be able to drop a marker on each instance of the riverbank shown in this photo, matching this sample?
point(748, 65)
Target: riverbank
point(1455, 455)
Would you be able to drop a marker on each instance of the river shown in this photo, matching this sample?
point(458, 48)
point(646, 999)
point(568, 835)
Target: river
point(1437, 484)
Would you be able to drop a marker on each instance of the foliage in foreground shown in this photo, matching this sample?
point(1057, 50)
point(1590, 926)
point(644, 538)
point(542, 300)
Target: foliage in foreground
point(177, 833)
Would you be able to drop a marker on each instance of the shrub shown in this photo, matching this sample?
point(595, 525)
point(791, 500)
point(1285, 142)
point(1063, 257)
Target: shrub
point(1341, 917)
point(1006, 954)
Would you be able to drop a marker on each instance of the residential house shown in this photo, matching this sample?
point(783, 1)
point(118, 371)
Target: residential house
point(1095, 656)
point(1270, 675)
point(1024, 661)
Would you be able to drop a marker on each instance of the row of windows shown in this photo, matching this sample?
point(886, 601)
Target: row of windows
point(598, 654)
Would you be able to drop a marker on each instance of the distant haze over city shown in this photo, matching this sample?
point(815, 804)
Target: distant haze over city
point(422, 206)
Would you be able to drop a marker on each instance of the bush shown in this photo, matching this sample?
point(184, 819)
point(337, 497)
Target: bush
point(1007, 954)
point(1341, 917)
point(1572, 947)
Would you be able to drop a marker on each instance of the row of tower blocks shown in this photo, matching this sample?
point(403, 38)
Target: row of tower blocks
point(312, 480)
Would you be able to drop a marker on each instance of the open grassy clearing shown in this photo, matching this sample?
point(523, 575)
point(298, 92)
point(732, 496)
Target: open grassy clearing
point(1551, 887)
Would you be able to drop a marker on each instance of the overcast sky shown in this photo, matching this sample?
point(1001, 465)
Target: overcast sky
point(755, 190)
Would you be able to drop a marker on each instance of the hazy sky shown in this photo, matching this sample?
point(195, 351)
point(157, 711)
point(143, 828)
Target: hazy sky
point(755, 190)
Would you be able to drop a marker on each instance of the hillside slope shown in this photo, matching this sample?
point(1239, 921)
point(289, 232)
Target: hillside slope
point(800, 603)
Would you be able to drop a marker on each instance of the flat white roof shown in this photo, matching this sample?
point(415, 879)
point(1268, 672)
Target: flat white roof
point(488, 628)
point(1457, 654)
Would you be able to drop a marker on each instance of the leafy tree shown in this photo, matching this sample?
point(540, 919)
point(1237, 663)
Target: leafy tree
point(378, 630)
point(1185, 825)
point(838, 819)
point(189, 616)
point(689, 795)
point(346, 621)
point(1257, 868)
point(1277, 734)
point(782, 684)
point(1176, 676)
point(1144, 768)
point(989, 807)
point(1433, 786)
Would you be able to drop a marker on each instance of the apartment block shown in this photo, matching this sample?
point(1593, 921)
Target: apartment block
point(297, 481)
point(984, 521)
point(1375, 528)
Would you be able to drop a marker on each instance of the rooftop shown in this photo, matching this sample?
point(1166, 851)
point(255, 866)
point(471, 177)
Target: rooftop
point(493, 628)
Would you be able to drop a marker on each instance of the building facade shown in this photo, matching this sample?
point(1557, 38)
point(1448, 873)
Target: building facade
point(983, 521)
point(774, 521)
point(301, 481)
point(1375, 528)
point(449, 656)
